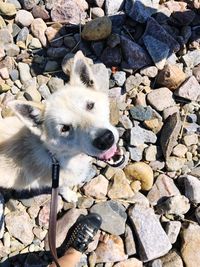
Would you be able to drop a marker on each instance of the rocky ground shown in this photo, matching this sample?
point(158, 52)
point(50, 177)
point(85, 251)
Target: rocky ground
point(150, 206)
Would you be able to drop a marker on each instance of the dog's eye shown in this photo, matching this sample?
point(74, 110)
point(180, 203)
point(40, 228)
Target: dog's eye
point(65, 128)
point(90, 105)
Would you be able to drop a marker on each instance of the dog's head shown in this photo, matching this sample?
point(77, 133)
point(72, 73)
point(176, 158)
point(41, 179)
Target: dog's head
point(75, 119)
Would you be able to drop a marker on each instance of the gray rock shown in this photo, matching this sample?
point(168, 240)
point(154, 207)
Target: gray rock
point(157, 165)
point(55, 84)
point(44, 91)
point(24, 72)
point(151, 153)
point(139, 136)
point(177, 205)
point(172, 229)
point(158, 51)
point(133, 81)
point(192, 58)
point(126, 122)
point(113, 215)
point(111, 56)
point(141, 113)
point(29, 4)
point(153, 240)
point(113, 40)
point(129, 241)
point(155, 30)
point(57, 52)
point(151, 71)
point(170, 133)
point(174, 163)
point(156, 263)
point(119, 77)
point(112, 7)
point(169, 111)
point(172, 259)
point(97, 47)
point(135, 56)
point(190, 89)
point(20, 226)
point(136, 153)
point(5, 38)
point(23, 35)
point(14, 75)
point(192, 188)
point(141, 10)
point(162, 188)
point(12, 50)
point(161, 98)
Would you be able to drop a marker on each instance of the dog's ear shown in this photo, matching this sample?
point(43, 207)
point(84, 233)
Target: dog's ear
point(81, 73)
point(30, 113)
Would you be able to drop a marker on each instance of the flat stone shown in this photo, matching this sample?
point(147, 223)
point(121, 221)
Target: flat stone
point(192, 188)
point(158, 51)
point(172, 259)
point(141, 10)
point(170, 132)
point(130, 246)
point(162, 188)
point(97, 29)
point(172, 229)
point(135, 56)
point(113, 216)
point(177, 205)
point(141, 113)
point(120, 188)
point(175, 163)
point(151, 236)
point(111, 251)
point(133, 262)
point(112, 7)
point(20, 226)
point(139, 136)
point(171, 76)
point(190, 89)
point(160, 99)
point(97, 187)
point(155, 30)
point(190, 245)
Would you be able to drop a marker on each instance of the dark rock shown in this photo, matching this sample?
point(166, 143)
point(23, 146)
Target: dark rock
point(40, 12)
point(158, 32)
point(97, 47)
point(134, 55)
point(57, 52)
point(170, 133)
point(111, 56)
point(183, 18)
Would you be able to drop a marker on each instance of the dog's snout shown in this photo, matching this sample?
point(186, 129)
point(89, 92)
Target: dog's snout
point(105, 140)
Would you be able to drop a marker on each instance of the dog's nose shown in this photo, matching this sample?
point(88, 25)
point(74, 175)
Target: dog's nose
point(105, 140)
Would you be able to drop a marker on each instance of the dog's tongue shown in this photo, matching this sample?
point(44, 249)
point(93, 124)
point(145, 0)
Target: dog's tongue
point(109, 153)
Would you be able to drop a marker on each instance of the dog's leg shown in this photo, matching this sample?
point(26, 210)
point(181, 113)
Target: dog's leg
point(68, 194)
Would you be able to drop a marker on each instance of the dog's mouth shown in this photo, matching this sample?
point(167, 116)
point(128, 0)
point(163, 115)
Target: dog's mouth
point(114, 156)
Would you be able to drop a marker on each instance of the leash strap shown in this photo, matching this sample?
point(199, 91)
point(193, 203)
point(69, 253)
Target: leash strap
point(53, 209)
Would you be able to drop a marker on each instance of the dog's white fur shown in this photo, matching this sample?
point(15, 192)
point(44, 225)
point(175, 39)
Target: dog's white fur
point(27, 138)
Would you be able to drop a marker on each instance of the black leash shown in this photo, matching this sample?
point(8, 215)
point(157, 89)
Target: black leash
point(53, 209)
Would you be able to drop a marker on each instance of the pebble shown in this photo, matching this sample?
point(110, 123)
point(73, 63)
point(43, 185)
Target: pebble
point(169, 111)
point(136, 153)
point(172, 259)
point(160, 99)
point(55, 84)
point(113, 216)
point(190, 245)
point(170, 132)
point(142, 172)
point(139, 136)
point(190, 89)
point(111, 251)
point(12, 50)
point(150, 153)
point(192, 58)
point(7, 9)
point(192, 188)
point(162, 188)
point(151, 71)
point(133, 262)
point(97, 29)
point(24, 18)
point(29, 4)
point(177, 205)
point(40, 12)
point(5, 38)
point(130, 245)
point(151, 236)
point(120, 188)
point(172, 229)
point(38, 28)
point(174, 163)
point(119, 77)
point(141, 113)
point(171, 76)
point(97, 187)
point(180, 150)
point(111, 56)
point(191, 139)
point(24, 72)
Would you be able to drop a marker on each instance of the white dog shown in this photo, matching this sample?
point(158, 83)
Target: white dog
point(73, 125)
